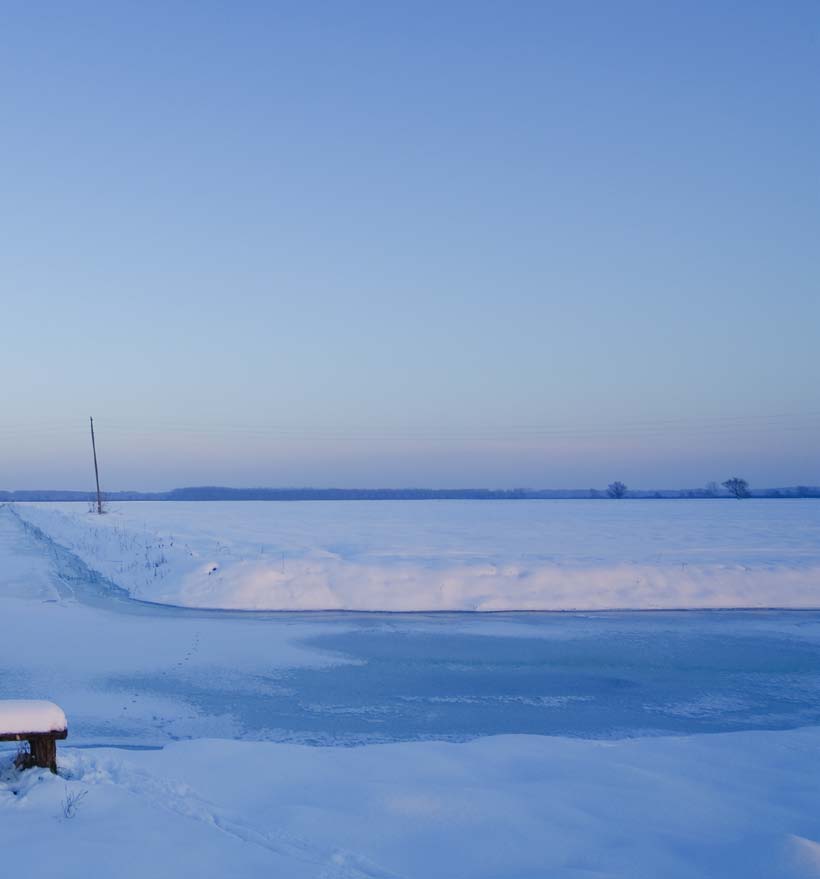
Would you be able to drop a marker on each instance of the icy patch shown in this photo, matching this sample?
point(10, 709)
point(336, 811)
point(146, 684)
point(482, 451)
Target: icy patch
point(703, 707)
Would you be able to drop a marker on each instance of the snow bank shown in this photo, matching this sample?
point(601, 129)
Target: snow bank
point(739, 804)
point(30, 715)
point(450, 555)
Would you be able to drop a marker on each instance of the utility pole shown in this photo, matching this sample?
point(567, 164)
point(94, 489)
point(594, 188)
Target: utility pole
point(96, 471)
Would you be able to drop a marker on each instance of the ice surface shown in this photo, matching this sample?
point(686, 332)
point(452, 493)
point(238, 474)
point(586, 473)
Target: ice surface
point(30, 715)
point(450, 555)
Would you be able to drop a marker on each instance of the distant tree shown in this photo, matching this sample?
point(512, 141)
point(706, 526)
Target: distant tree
point(594, 493)
point(616, 489)
point(737, 487)
point(711, 489)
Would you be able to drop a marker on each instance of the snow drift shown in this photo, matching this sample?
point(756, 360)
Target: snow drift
point(450, 555)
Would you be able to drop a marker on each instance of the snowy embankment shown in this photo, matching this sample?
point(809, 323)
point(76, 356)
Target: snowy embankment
point(700, 807)
point(450, 555)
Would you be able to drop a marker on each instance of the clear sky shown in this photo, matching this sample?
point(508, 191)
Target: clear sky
point(421, 244)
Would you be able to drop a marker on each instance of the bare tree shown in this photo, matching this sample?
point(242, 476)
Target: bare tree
point(616, 489)
point(737, 487)
point(711, 489)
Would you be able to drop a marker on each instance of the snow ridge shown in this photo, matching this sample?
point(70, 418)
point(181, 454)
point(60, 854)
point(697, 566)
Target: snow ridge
point(495, 556)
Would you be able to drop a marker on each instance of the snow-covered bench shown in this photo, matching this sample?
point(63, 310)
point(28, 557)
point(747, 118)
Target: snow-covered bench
point(39, 723)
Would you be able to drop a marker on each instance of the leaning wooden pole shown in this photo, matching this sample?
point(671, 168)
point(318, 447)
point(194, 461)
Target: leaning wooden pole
point(96, 470)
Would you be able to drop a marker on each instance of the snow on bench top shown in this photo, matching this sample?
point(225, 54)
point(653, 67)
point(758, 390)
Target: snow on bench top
point(30, 715)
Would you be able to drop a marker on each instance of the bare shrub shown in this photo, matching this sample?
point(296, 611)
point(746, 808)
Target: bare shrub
point(71, 802)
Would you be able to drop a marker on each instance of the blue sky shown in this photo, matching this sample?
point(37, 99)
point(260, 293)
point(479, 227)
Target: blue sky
point(437, 244)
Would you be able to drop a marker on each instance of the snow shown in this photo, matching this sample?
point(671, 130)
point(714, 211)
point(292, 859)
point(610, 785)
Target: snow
point(450, 555)
point(30, 715)
point(739, 804)
point(205, 709)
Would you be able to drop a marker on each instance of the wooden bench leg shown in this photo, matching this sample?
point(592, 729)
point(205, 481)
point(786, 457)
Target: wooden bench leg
point(44, 752)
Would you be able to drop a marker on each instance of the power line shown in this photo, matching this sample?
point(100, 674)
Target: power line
point(637, 427)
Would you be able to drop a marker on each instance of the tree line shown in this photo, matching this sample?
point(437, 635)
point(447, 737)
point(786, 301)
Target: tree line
point(733, 487)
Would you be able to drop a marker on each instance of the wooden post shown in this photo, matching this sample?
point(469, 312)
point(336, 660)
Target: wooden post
point(44, 752)
point(96, 471)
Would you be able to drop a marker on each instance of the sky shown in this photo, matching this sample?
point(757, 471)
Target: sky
point(439, 244)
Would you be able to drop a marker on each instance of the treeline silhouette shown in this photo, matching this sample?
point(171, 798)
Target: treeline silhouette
point(220, 493)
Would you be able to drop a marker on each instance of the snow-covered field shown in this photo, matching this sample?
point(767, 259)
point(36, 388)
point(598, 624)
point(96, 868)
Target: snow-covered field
point(450, 555)
point(181, 758)
point(512, 807)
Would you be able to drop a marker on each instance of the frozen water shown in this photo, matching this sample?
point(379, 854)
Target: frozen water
point(611, 675)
